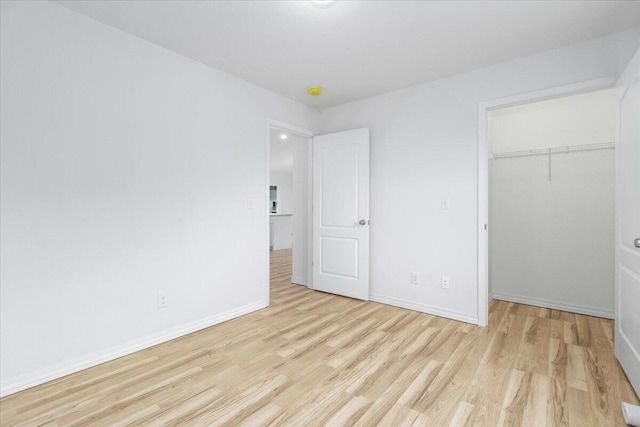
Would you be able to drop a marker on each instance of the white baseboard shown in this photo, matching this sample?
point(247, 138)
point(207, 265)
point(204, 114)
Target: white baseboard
point(22, 382)
point(424, 308)
point(299, 281)
point(555, 305)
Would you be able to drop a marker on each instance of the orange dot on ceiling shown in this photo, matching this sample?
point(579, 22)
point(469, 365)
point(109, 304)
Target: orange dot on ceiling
point(315, 90)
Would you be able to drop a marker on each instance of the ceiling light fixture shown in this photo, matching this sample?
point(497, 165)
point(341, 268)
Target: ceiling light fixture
point(321, 3)
point(283, 136)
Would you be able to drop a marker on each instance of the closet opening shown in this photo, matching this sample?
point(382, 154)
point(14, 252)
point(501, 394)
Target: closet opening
point(551, 203)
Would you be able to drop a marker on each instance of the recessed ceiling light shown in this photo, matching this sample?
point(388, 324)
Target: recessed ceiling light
point(283, 136)
point(321, 3)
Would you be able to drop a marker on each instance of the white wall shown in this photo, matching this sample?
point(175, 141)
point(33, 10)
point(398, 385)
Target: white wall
point(301, 211)
point(588, 118)
point(126, 170)
point(424, 147)
point(538, 251)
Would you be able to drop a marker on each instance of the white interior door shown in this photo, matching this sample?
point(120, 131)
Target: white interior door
point(341, 213)
point(627, 321)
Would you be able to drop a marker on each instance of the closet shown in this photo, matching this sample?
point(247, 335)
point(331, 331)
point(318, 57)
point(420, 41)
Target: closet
point(552, 198)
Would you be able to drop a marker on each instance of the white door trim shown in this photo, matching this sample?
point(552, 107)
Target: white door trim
point(271, 124)
point(483, 172)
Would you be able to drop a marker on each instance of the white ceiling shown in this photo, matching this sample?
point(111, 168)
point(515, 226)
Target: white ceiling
point(357, 49)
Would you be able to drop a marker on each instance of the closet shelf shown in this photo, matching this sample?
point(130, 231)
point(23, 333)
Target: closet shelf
point(555, 150)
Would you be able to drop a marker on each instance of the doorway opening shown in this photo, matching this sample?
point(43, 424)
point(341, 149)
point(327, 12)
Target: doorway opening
point(288, 208)
point(486, 163)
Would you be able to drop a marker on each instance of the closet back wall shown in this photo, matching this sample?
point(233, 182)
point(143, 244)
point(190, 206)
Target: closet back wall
point(552, 240)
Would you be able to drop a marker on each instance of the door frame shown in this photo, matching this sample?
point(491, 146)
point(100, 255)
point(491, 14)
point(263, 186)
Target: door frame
point(483, 170)
point(286, 127)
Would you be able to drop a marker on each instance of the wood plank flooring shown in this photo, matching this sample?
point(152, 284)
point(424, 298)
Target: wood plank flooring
point(318, 359)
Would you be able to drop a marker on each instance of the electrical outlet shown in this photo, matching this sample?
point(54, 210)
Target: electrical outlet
point(162, 300)
point(445, 282)
point(415, 277)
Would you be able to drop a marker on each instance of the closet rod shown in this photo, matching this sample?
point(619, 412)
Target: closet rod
point(555, 150)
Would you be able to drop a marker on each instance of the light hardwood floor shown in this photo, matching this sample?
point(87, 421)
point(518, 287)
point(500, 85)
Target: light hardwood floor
point(318, 359)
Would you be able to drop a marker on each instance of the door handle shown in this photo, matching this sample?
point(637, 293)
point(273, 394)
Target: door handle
point(364, 222)
point(636, 242)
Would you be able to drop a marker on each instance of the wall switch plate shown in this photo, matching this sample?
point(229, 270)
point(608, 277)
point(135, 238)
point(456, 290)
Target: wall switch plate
point(250, 203)
point(415, 277)
point(445, 282)
point(444, 204)
point(162, 300)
